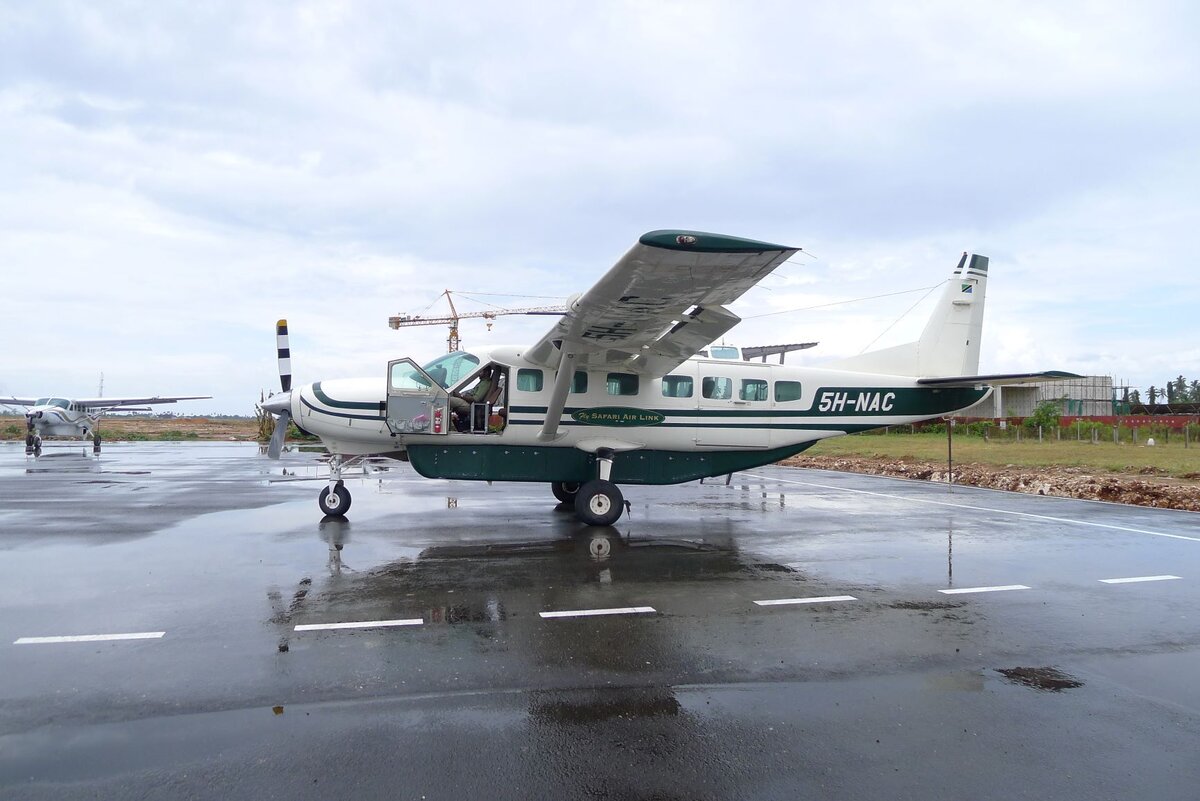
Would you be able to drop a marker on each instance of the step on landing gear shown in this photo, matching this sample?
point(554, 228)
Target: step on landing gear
point(599, 502)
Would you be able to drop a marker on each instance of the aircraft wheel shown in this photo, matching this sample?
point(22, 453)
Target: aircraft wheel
point(96, 444)
point(599, 503)
point(334, 503)
point(565, 491)
point(30, 444)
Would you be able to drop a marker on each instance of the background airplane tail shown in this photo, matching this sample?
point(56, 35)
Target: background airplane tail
point(949, 345)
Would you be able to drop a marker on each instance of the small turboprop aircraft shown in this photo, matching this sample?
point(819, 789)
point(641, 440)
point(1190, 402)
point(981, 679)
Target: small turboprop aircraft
point(79, 417)
point(622, 391)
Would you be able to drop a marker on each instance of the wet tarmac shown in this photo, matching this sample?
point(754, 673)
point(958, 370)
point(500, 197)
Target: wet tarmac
point(176, 620)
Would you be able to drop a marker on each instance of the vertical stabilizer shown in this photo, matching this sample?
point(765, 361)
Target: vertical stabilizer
point(949, 345)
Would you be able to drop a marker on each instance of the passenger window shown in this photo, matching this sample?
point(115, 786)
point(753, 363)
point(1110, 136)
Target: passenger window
point(579, 382)
point(753, 389)
point(529, 380)
point(787, 391)
point(716, 388)
point(622, 384)
point(677, 386)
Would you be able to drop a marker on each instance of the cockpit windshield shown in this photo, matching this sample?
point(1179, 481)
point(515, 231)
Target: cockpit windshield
point(61, 403)
point(448, 370)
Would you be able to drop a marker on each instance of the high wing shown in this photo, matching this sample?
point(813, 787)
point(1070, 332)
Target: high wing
point(998, 380)
point(18, 401)
point(661, 303)
point(118, 403)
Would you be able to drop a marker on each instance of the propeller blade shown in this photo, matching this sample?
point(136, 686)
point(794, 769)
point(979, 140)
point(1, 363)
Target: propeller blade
point(279, 435)
point(284, 353)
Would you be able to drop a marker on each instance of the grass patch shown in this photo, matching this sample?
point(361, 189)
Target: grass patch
point(1171, 458)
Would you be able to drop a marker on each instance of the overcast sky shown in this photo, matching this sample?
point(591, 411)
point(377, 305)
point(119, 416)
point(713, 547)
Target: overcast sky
point(176, 176)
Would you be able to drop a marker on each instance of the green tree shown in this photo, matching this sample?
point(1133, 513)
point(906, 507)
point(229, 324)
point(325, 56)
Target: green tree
point(1046, 414)
point(1152, 393)
point(1135, 396)
point(1194, 393)
point(1181, 390)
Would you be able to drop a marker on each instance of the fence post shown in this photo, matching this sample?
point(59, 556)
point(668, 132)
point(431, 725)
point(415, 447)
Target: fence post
point(1039, 433)
point(1135, 435)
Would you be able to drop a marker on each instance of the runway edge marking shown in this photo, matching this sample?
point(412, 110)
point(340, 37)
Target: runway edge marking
point(1136, 579)
point(623, 610)
point(999, 588)
point(975, 508)
point(136, 635)
point(823, 599)
point(360, 624)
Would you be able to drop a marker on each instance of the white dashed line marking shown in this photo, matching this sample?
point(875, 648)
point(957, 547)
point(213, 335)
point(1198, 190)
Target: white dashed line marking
point(976, 508)
point(1136, 579)
point(360, 624)
point(824, 599)
point(624, 610)
point(1001, 588)
point(137, 635)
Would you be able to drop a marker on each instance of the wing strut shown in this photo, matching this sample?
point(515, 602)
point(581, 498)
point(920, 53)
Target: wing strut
point(558, 400)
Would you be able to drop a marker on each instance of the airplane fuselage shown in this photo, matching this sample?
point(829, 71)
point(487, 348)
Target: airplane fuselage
point(708, 417)
point(60, 417)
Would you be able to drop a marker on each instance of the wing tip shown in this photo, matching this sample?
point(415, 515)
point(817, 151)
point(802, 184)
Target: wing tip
point(702, 242)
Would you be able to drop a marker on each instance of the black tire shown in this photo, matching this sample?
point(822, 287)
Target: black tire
point(599, 503)
point(565, 491)
point(96, 444)
point(335, 503)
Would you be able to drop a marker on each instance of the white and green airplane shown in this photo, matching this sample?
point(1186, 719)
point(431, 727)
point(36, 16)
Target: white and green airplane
point(78, 418)
point(622, 391)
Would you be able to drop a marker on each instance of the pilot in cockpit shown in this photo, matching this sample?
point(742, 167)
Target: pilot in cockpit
point(460, 402)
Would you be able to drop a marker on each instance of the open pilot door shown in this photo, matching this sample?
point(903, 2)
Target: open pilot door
point(416, 404)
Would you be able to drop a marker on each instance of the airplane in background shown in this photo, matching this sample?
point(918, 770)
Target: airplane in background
point(78, 417)
point(621, 391)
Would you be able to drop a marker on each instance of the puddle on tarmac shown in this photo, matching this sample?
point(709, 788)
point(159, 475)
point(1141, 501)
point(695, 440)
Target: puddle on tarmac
point(1050, 679)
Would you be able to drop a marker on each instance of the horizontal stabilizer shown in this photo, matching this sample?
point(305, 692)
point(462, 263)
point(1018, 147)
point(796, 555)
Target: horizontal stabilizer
point(997, 380)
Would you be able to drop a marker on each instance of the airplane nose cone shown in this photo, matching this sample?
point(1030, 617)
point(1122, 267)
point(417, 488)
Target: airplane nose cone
point(278, 404)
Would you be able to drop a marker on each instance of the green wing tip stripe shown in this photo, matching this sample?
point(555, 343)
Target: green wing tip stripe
point(700, 242)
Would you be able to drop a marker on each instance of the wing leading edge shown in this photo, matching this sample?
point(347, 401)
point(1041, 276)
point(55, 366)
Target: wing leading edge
point(660, 303)
point(119, 403)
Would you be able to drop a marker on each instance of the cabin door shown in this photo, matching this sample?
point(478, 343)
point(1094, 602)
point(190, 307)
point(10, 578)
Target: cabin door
point(735, 412)
point(416, 404)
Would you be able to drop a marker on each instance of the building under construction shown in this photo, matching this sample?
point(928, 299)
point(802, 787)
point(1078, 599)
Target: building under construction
point(1089, 396)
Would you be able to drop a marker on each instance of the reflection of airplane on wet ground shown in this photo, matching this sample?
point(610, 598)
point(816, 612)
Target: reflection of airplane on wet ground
point(488, 580)
point(621, 391)
point(78, 418)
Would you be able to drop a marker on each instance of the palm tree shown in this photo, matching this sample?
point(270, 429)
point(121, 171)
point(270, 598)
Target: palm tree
point(1152, 393)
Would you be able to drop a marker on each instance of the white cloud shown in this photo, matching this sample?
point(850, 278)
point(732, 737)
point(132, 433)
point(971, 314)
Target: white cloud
point(184, 175)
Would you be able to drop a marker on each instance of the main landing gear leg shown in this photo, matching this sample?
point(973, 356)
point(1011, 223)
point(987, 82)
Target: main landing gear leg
point(335, 499)
point(599, 502)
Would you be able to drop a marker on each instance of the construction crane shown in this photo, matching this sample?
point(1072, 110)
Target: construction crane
point(453, 342)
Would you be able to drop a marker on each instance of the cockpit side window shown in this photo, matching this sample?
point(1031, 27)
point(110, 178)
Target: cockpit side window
point(451, 368)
